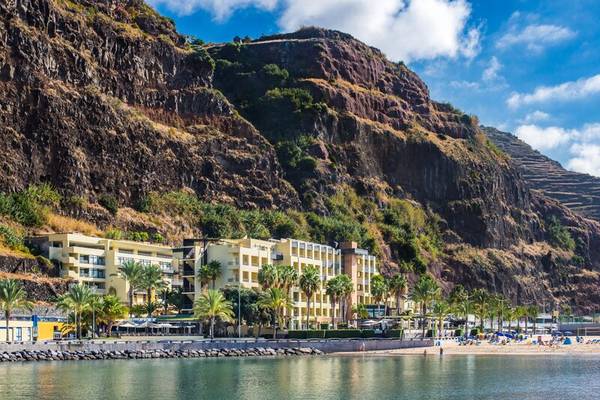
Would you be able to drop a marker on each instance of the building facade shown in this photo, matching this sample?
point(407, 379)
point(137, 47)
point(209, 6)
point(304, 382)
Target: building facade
point(95, 262)
point(242, 259)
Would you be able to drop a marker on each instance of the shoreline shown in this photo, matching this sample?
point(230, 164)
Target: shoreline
point(487, 349)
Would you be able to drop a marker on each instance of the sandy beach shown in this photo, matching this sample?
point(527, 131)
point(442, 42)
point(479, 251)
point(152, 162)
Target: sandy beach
point(485, 348)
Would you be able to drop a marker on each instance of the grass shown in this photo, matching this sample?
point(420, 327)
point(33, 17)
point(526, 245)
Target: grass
point(60, 223)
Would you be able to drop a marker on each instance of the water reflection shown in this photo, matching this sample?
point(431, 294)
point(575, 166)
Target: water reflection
point(325, 378)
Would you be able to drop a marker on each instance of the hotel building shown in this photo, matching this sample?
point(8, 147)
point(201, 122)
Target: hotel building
point(241, 260)
point(95, 261)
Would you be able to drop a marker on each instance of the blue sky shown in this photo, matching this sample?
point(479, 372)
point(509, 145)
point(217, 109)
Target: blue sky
point(529, 67)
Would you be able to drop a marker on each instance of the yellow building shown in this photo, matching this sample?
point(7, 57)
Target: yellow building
point(241, 260)
point(95, 261)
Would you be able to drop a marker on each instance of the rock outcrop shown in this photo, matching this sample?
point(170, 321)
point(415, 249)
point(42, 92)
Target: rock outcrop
point(579, 192)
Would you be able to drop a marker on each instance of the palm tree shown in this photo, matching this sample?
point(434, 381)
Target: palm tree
point(424, 292)
point(480, 305)
point(532, 312)
point(277, 301)
point(110, 311)
point(12, 296)
point(77, 300)
point(333, 290)
point(268, 276)
point(131, 272)
point(95, 304)
point(440, 311)
point(398, 286)
point(214, 271)
point(310, 282)
point(379, 290)
point(213, 305)
point(346, 289)
point(361, 311)
point(460, 301)
point(287, 277)
point(522, 313)
point(151, 279)
point(204, 276)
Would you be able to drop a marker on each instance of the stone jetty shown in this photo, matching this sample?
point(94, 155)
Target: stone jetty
point(61, 355)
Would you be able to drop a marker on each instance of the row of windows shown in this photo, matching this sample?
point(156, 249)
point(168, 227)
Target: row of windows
point(94, 260)
point(92, 273)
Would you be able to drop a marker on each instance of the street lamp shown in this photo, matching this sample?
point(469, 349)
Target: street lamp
point(240, 305)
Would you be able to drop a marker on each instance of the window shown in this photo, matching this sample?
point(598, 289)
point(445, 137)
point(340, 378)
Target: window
point(19, 335)
point(84, 259)
point(96, 260)
point(123, 260)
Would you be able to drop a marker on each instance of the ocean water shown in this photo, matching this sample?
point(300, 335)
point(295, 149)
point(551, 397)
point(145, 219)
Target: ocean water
point(322, 378)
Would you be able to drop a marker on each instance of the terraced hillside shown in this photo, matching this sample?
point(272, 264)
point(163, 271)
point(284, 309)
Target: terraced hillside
point(579, 192)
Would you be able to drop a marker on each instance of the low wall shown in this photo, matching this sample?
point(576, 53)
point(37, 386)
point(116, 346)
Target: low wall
point(324, 345)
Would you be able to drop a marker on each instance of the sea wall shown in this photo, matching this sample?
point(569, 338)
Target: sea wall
point(113, 349)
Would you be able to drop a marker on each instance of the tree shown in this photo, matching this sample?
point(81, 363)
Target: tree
point(110, 311)
point(176, 298)
point(440, 311)
point(214, 271)
point(398, 286)
point(460, 301)
point(95, 304)
point(310, 282)
point(361, 311)
point(522, 313)
point(346, 289)
point(268, 276)
point(277, 301)
point(480, 305)
point(333, 290)
point(204, 276)
point(212, 305)
point(131, 272)
point(76, 300)
point(424, 292)
point(151, 278)
point(12, 296)
point(379, 289)
point(287, 277)
point(532, 312)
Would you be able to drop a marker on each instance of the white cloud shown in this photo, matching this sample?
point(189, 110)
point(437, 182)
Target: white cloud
point(543, 138)
point(586, 160)
point(583, 145)
point(492, 70)
point(572, 90)
point(403, 29)
point(220, 9)
point(535, 37)
point(536, 116)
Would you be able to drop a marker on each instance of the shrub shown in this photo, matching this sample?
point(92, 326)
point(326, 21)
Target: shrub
point(157, 238)
point(343, 333)
point(309, 334)
point(367, 333)
point(31, 206)
point(458, 332)
point(115, 234)
point(559, 235)
point(394, 333)
point(110, 203)
point(474, 332)
point(10, 237)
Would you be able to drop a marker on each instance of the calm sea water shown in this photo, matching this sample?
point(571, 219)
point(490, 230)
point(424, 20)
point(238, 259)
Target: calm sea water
point(323, 378)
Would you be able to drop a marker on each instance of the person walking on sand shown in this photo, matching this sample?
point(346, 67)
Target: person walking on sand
point(441, 351)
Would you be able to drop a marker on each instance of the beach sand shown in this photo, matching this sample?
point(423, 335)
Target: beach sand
point(485, 348)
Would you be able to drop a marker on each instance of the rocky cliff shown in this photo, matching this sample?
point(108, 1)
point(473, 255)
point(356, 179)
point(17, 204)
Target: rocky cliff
point(579, 192)
point(106, 98)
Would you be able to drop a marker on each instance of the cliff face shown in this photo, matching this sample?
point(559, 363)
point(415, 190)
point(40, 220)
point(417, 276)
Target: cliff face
point(579, 192)
point(104, 97)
